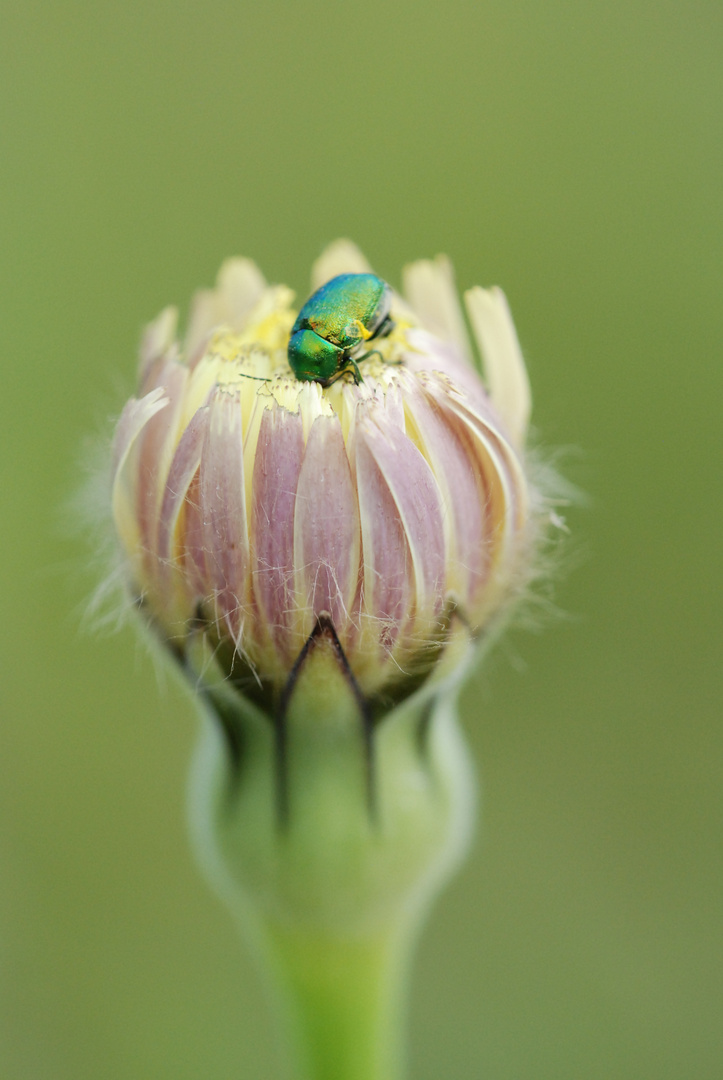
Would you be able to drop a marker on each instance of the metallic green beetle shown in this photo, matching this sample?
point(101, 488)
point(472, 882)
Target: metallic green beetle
point(334, 323)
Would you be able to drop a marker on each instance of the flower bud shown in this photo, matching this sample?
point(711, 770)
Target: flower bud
point(260, 510)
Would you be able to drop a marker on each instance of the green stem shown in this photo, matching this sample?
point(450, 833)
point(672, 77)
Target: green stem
point(345, 1003)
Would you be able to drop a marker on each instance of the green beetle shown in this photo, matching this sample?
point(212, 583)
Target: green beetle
point(334, 323)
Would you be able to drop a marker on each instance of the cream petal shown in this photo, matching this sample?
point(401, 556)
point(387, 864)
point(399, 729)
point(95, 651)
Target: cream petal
point(326, 528)
point(202, 319)
point(239, 287)
point(157, 339)
point(273, 300)
point(430, 288)
point(177, 586)
point(504, 366)
point(223, 510)
point(156, 446)
point(279, 453)
point(340, 257)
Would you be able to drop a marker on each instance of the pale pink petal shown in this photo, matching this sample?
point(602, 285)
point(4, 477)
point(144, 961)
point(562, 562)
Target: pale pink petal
point(392, 403)
point(502, 456)
point(326, 526)
point(418, 504)
point(158, 371)
point(184, 466)
point(279, 454)
point(131, 422)
point(194, 551)
point(134, 418)
point(387, 565)
point(223, 509)
point(428, 353)
point(458, 476)
point(505, 506)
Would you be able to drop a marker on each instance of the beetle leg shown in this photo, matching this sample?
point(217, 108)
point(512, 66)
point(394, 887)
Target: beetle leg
point(360, 359)
point(348, 368)
point(351, 366)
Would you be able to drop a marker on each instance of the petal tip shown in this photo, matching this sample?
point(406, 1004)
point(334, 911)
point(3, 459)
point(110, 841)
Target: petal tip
point(504, 366)
point(340, 257)
point(430, 288)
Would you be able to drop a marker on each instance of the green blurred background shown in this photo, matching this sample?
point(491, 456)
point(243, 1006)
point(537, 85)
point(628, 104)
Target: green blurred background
point(571, 153)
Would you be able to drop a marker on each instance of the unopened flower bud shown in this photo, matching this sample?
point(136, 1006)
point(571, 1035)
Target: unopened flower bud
point(257, 508)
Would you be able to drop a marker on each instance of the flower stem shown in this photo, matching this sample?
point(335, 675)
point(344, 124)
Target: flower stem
point(344, 999)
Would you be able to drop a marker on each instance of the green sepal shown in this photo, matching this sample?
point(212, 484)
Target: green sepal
point(334, 874)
